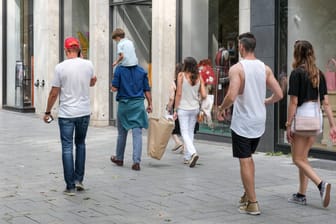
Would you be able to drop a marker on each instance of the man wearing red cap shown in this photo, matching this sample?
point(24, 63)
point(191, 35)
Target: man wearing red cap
point(72, 81)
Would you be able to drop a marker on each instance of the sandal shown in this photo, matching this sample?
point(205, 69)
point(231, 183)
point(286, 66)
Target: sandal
point(177, 147)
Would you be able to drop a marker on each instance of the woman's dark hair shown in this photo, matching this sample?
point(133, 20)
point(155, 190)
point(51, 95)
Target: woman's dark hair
point(178, 69)
point(248, 41)
point(304, 56)
point(190, 65)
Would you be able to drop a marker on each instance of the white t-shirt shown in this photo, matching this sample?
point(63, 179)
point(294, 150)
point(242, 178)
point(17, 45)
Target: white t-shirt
point(126, 47)
point(249, 111)
point(73, 76)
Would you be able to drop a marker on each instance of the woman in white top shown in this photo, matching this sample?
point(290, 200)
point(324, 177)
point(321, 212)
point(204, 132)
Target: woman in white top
point(190, 90)
point(170, 108)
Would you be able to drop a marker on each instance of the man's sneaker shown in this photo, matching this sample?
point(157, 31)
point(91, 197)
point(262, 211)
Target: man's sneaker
point(69, 192)
point(193, 160)
point(251, 208)
point(297, 200)
point(325, 193)
point(243, 199)
point(79, 186)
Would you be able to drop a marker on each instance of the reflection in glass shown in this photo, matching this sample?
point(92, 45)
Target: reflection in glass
point(314, 21)
point(19, 53)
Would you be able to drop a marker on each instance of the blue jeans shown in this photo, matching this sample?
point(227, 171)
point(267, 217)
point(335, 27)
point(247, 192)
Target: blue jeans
point(73, 171)
point(121, 143)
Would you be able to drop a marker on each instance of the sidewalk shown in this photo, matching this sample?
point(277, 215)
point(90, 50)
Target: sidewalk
point(165, 191)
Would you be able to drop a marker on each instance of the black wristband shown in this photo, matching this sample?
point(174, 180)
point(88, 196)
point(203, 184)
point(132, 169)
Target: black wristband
point(47, 113)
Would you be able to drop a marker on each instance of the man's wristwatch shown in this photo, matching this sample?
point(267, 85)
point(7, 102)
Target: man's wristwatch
point(47, 113)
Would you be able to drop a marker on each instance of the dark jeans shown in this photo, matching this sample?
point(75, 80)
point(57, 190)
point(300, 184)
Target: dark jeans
point(73, 171)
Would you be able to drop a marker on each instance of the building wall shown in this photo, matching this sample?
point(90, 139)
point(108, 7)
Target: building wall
point(244, 16)
point(263, 26)
point(1, 47)
point(195, 29)
point(46, 34)
point(46, 49)
point(99, 55)
point(163, 52)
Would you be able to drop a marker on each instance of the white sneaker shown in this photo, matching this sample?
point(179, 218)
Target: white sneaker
point(69, 192)
point(193, 160)
point(325, 193)
point(79, 186)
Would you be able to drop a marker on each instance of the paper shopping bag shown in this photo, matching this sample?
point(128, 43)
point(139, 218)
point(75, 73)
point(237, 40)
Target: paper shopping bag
point(159, 132)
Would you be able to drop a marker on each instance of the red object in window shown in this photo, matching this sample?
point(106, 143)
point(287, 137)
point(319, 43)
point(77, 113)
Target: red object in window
point(206, 71)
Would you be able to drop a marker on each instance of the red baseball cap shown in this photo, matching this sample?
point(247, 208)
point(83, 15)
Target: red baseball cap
point(71, 42)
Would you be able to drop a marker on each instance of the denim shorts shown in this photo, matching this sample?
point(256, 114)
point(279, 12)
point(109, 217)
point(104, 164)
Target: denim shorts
point(243, 147)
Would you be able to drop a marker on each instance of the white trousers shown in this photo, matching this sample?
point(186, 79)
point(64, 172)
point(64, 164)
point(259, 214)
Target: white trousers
point(187, 119)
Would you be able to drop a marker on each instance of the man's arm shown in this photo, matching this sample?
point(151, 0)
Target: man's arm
point(53, 94)
point(274, 86)
point(235, 75)
point(149, 101)
point(234, 86)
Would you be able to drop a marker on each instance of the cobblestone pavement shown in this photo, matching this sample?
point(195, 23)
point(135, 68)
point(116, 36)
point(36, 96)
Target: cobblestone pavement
point(165, 191)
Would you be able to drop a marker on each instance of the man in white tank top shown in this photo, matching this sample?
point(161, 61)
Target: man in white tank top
point(249, 79)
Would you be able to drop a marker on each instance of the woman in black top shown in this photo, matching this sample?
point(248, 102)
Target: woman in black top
point(305, 81)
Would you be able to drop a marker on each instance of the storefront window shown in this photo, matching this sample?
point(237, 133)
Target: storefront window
point(314, 21)
point(135, 18)
point(19, 58)
point(76, 23)
point(212, 40)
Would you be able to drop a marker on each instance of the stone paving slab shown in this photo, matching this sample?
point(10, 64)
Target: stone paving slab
point(165, 191)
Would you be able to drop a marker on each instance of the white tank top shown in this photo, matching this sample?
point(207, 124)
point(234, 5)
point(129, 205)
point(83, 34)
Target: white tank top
point(189, 98)
point(249, 111)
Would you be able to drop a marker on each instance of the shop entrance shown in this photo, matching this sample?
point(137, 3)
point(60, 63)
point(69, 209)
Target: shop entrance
point(212, 40)
point(135, 18)
point(18, 59)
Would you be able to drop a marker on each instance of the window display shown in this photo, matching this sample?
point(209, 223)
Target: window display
point(212, 41)
point(76, 23)
point(313, 21)
point(19, 58)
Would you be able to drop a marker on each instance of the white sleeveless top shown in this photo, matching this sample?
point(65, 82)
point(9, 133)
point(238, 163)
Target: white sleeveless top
point(249, 111)
point(189, 98)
